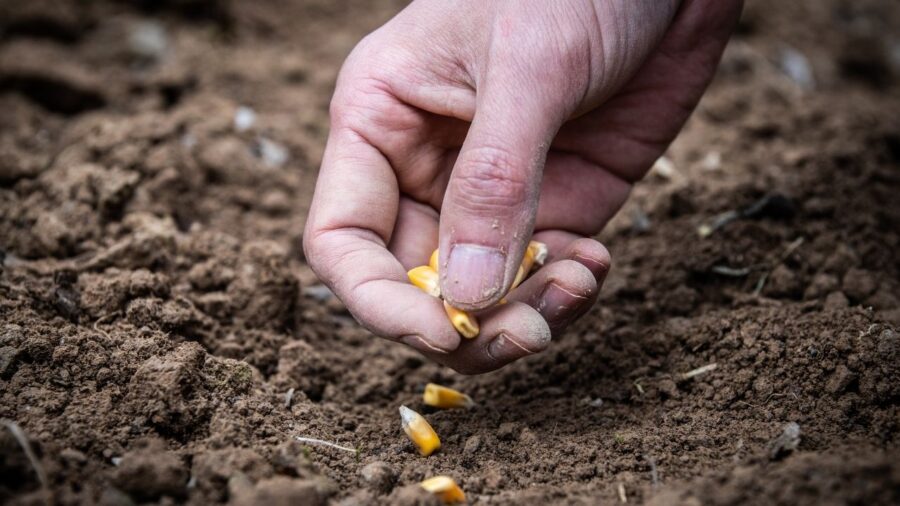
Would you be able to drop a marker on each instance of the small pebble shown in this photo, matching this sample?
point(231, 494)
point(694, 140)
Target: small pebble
point(786, 442)
point(378, 476)
point(640, 222)
point(664, 168)
point(472, 444)
point(273, 154)
point(712, 161)
point(244, 118)
point(797, 67)
point(148, 40)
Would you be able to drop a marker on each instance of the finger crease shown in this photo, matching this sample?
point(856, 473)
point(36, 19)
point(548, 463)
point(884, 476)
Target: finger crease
point(523, 348)
point(577, 296)
point(428, 345)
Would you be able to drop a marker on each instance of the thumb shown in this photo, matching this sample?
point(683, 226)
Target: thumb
point(488, 211)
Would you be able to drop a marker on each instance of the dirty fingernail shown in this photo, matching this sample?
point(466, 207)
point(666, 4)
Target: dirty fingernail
point(597, 268)
point(506, 349)
point(556, 302)
point(474, 273)
point(421, 344)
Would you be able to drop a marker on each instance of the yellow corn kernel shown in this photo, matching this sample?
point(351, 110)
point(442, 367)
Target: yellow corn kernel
point(445, 488)
point(535, 254)
point(538, 251)
point(463, 322)
point(520, 274)
point(419, 431)
point(445, 398)
point(433, 261)
point(427, 279)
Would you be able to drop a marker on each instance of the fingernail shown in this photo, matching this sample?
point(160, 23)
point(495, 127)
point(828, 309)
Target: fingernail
point(474, 273)
point(555, 301)
point(502, 347)
point(597, 268)
point(419, 343)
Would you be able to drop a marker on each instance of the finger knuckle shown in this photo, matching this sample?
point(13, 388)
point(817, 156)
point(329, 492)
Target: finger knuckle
point(310, 246)
point(359, 108)
point(491, 179)
point(326, 253)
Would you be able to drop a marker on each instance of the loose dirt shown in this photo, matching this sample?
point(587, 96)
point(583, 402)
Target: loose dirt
point(163, 341)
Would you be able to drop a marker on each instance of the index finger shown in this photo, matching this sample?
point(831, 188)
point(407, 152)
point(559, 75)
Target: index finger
point(349, 226)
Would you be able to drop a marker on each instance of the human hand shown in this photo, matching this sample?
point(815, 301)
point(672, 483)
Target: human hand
point(474, 124)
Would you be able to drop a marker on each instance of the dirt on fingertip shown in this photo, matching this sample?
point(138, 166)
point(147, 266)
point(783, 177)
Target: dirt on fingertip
point(162, 340)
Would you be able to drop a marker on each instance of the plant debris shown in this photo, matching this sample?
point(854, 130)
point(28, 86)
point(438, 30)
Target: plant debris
point(772, 205)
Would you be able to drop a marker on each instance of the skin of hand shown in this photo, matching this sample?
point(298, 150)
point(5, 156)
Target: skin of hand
point(472, 124)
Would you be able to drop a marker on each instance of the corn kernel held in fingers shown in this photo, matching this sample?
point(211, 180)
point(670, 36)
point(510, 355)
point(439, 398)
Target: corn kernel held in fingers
point(520, 274)
point(445, 398)
point(419, 431)
point(445, 488)
point(427, 279)
point(433, 261)
point(535, 254)
point(463, 322)
point(539, 252)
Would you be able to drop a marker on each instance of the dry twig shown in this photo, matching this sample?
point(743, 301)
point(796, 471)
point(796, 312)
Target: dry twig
point(700, 370)
point(320, 442)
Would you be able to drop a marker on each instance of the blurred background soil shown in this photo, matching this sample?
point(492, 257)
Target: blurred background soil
point(163, 341)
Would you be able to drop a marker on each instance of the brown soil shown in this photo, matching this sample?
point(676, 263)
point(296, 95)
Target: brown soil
point(155, 309)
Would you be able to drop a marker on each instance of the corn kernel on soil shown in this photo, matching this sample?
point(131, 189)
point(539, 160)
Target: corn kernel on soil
point(419, 431)
point(445, 398)
point(445, 488)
